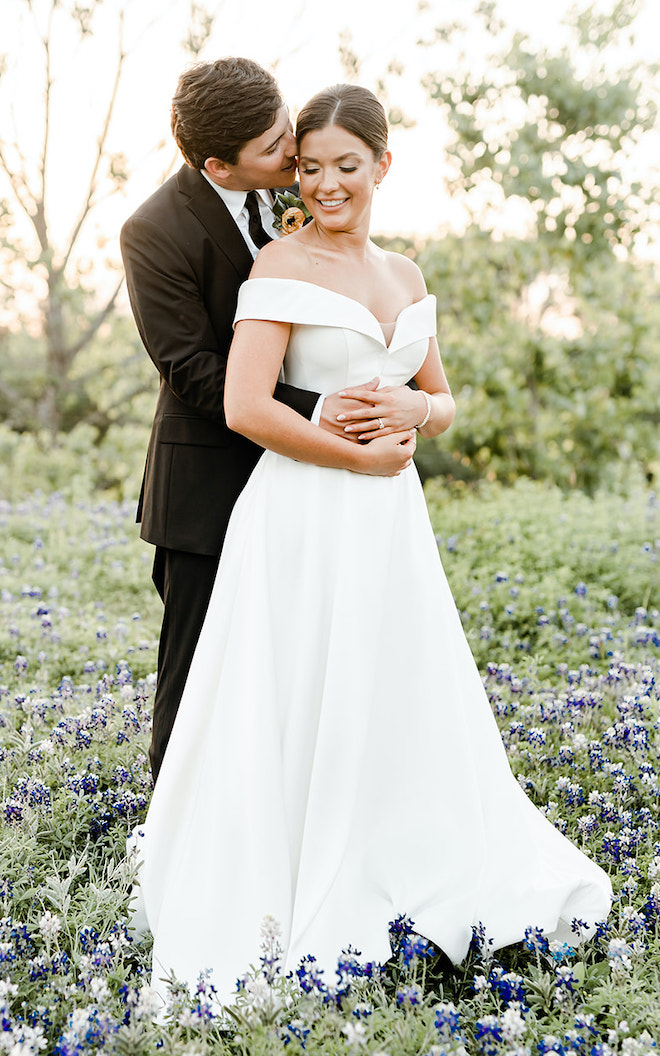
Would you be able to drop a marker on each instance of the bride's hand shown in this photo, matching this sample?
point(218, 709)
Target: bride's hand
point(389, 410)
point(387, 456)
point(338, 410)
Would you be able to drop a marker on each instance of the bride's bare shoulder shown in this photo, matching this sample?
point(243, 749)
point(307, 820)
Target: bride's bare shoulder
point(284, 258)
point(407, 274)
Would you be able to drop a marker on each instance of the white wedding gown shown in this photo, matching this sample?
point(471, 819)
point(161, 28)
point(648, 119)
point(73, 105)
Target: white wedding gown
point(335, 761)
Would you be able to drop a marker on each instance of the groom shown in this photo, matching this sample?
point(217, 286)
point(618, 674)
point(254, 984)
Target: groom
point(186, 251)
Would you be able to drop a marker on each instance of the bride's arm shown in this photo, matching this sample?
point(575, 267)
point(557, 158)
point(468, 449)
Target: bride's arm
point(432, 383)
point(255, 359)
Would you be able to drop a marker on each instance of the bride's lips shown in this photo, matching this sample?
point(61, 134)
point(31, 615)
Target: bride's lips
point(331, 203)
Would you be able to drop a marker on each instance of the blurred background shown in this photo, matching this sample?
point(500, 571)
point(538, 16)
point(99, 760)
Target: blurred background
point(525, 183)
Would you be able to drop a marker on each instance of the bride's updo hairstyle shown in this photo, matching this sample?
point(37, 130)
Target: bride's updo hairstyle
point(351, 107)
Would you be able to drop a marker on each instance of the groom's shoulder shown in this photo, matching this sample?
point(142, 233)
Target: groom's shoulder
point(171, 196)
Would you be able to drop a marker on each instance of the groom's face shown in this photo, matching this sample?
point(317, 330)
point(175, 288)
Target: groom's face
point(267, 161)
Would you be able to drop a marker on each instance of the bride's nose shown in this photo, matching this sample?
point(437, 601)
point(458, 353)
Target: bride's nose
point(328, 181)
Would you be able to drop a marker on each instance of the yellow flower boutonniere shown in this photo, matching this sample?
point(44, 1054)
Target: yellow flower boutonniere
point(290, 212)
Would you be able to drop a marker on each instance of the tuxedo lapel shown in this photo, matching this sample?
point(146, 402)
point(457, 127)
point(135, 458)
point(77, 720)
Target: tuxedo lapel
point(213, 214)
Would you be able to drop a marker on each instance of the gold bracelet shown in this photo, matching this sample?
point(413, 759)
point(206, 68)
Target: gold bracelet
point(428, 410)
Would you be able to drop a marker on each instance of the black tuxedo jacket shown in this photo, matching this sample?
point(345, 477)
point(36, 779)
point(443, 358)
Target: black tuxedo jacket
point(185, 260)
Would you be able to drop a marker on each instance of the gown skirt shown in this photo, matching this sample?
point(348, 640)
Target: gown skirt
point(335, 761)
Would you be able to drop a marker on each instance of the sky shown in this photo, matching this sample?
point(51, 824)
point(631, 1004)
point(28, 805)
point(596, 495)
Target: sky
point(299, 39)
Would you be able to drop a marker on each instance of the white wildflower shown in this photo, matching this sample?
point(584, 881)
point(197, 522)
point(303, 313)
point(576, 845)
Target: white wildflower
point(258, 989)
point(27, 1041)
point(512, 1024)
point(7, 989)
point(356, 1034)
point(618, 956)
point(260, 996)
point(49, 925)
point(270, 929)
point(79, 1020)
point(644, 1045)
point(654, 869)
point(187, 1018)
point(149, 1003)
point(99, 990)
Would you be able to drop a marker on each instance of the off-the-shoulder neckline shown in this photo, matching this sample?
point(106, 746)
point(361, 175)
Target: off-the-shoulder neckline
point(345, 296)
point(369, 323)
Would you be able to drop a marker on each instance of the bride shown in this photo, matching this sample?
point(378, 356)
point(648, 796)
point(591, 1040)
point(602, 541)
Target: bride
point(335, 761)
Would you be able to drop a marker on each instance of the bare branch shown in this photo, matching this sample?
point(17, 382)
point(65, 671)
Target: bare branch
point(126, 397)
point(96, 323)
point(100, 149)
point(200, 25)
point(43, 161)
point(19, 186)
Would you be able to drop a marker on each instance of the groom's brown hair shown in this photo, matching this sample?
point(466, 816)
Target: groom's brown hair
point(220, 106)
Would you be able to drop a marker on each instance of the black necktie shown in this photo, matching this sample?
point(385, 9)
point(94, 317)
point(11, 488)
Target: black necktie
point(255, 227)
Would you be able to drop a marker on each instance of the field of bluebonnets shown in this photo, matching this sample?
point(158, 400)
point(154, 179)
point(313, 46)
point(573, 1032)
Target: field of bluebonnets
point(559, 597)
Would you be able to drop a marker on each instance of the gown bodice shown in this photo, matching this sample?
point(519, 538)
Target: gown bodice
point(335, 340)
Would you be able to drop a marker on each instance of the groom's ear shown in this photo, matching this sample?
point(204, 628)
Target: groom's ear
point(216, 169)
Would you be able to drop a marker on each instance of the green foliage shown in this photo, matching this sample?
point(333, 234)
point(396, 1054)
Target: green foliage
point(75, 464)
point(109, 382)
point(539, 572)
point(550, 342)
point(555, 128)
point(555, 377)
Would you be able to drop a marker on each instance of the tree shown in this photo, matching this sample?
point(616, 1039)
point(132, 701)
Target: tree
point(556, 130)
point(43, 275)
point(575, 403)
point(551, 339)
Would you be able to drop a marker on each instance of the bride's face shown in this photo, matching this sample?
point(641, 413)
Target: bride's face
point(338, 173)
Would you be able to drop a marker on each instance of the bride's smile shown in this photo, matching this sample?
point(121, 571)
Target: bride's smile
point(338, 173)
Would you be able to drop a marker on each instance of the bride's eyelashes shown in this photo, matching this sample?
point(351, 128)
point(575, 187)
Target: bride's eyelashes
point(308, 171)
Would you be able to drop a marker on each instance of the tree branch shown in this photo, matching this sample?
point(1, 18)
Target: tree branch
point(100, 151)
point(19, 186)
point(96, 323)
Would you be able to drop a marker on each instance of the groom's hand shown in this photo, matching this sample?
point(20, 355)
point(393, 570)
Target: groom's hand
point(338, 410)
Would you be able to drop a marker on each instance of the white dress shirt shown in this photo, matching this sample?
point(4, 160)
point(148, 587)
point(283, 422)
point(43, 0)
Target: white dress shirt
point(235, 202)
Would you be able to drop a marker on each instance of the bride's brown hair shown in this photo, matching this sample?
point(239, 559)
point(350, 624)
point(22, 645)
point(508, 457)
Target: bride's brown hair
point(350, 106)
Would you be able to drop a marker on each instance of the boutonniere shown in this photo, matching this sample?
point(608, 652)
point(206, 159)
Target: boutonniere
point(290, 212)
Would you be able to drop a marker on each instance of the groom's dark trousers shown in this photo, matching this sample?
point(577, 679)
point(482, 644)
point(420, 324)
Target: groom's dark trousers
point(185, 260)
